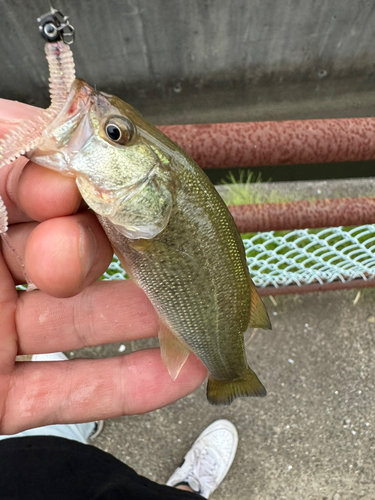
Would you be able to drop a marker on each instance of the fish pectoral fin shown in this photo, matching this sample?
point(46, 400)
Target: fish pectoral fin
point(173, 352)
point(223, 392)
point(258, 314)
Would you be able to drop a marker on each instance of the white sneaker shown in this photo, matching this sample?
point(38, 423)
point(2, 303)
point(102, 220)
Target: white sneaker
point(209, 459)
point(98, 428)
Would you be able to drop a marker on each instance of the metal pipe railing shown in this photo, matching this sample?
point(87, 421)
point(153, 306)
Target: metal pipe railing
point(255, 144)
point(304, 214)
point(249, 144)
point(316, 287)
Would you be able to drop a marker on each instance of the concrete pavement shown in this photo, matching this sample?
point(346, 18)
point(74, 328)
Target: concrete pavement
point(311, 438)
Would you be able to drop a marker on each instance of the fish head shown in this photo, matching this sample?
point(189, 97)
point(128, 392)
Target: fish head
point(121, 167)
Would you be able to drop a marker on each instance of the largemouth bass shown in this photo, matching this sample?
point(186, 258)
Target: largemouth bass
point(170, 229)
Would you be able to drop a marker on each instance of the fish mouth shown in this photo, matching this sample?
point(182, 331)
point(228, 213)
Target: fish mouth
point(68, 132)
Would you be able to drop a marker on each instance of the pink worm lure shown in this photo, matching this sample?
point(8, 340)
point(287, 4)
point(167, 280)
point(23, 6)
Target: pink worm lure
point(55, 28)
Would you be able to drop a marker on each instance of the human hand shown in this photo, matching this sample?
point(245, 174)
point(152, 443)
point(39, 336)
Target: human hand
point(65, 251)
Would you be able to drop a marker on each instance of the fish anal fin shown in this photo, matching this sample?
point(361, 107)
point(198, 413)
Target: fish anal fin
point(258, 314)
point(224, 392)
point(173, 352)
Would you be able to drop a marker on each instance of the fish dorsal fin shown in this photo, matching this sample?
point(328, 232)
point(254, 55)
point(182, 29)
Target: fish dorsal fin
point(258, 314)
point(173, 352)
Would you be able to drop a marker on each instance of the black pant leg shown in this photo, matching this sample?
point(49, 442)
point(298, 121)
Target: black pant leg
point(53, 468)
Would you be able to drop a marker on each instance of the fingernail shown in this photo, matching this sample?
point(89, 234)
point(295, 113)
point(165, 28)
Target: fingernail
point(88, 249)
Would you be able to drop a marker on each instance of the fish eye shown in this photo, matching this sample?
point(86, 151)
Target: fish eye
point(113, 132)
point(119, 130)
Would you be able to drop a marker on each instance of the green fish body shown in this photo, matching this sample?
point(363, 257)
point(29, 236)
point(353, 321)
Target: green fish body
point(170, 229)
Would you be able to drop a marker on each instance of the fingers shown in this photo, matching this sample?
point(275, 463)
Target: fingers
point(9, 175)
point(95, 389)
point(31, 191)
point(18, 235)
point(104, 312)
point(8, 335)
point(64, 255)
point(74, 252)
point(44, 194)
point(61, 256)
point(77, 256)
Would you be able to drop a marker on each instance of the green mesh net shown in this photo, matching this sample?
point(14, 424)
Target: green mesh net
point(302, 257)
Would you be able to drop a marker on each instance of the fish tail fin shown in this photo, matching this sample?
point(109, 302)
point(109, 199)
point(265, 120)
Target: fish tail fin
point(223, 392)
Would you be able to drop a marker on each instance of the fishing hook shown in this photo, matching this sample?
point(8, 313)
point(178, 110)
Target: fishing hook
point(54, 27)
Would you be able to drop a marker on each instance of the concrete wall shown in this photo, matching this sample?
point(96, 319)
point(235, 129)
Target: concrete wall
point(203, 60)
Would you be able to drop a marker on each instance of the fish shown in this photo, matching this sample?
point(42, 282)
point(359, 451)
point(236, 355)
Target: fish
point(170, 229)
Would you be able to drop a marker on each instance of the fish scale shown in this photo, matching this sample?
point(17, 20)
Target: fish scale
point(205, 308)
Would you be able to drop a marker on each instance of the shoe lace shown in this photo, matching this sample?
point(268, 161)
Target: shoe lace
point(201, 477)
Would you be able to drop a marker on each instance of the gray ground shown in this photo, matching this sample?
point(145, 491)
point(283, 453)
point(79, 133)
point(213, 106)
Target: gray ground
point(311, 438)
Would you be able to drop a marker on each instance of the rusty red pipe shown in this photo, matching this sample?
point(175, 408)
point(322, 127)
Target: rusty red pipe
point(316, 287)
point(252, 144)
point(304, 214)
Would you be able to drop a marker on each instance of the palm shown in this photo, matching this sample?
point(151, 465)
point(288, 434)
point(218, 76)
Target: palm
point(69, 311)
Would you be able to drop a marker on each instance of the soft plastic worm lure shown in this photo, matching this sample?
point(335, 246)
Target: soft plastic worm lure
point(59, 34)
